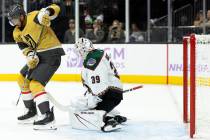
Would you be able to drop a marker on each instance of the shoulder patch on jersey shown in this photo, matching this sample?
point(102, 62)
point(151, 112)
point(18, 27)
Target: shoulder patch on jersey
point(93, 59)
point(91, 62)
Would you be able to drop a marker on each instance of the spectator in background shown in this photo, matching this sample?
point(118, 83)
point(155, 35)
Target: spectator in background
point(116, 33)
point(88, 22)
point(199, 19)
point(55, 1)
point(33, 5)
point(100, 21)
point(69, 36)
point(96, 35)
point(45, 3)
point(85, 19)
point(69, 8)
point(88, 26)
point(183, 21)
point(96, 7)
point(208, 18)
point(136, 34)
point(115, 8)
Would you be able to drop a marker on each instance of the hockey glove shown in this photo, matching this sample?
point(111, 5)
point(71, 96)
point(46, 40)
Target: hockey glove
point(92, 101)
point(44, 18)
point(32, 60)
point(85, 102)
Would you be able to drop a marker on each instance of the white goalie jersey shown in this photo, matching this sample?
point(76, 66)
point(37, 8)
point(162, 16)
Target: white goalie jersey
point(99, 73)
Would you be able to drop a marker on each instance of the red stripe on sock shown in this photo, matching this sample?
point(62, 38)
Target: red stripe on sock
point(39, 94)
point(26, 92)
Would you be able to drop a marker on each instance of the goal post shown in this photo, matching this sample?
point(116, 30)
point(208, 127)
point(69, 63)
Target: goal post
point(185, 79)
point(196, 75)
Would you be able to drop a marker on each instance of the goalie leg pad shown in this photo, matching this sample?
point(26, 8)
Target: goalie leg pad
point(87, 120)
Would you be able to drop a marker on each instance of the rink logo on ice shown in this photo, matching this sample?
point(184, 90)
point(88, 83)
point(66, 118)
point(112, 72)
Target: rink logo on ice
point(117, 55)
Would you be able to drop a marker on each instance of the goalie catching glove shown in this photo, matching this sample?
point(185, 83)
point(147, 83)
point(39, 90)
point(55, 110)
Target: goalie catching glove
point(85, 102)
point(32, 60)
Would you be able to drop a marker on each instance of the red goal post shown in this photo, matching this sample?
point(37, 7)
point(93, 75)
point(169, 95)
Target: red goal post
point(191, 76)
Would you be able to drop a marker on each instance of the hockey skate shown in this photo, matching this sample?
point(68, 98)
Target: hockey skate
point(29, 116)
point(46, 122)
point(120, 119)
point(110, 125)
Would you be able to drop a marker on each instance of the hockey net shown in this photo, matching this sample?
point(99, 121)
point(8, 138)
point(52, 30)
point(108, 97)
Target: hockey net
point(196, 85)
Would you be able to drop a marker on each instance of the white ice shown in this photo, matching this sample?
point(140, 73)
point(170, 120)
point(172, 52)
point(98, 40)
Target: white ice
point(154, 113)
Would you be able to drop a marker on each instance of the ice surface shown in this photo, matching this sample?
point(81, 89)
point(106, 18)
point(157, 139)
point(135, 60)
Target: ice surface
point(154, 113)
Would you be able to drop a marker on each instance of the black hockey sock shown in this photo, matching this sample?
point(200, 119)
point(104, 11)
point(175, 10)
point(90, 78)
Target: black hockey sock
point(44, 107)
point(29, 103)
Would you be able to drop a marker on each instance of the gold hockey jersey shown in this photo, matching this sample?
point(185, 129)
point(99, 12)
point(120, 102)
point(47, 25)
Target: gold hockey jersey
point(30, 35)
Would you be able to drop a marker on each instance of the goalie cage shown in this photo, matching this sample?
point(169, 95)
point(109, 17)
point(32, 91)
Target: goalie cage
point(196, 82)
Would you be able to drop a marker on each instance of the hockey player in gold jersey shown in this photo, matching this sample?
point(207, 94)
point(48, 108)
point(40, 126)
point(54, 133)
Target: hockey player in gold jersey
point(43, 52)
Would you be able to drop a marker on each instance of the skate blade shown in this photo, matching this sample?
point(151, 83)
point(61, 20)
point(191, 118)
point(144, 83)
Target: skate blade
point(49, 126)
point(110, 128)
point(123, 123)
point(28, 121)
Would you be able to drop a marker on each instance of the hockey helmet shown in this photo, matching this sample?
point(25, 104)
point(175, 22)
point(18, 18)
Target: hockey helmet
point(83, 46)
point(15, 12)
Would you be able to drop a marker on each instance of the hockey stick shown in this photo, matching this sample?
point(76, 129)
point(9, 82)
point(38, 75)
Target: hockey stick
point(57, 104)
point(25, 78)
point(68, 107)
point(28, 71)
point(134, 88)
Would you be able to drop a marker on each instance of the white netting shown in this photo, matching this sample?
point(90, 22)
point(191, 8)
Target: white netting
point(203, 60)
point(202, 86)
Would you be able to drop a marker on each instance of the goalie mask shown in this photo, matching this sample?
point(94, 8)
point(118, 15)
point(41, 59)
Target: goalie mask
point(14, 14)
point(84, 46)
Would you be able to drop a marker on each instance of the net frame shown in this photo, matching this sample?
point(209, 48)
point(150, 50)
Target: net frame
point(190, 79)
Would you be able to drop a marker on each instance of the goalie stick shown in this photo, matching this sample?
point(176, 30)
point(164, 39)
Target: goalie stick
point(68, 107)
point(28, 71)
point(134, 88)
